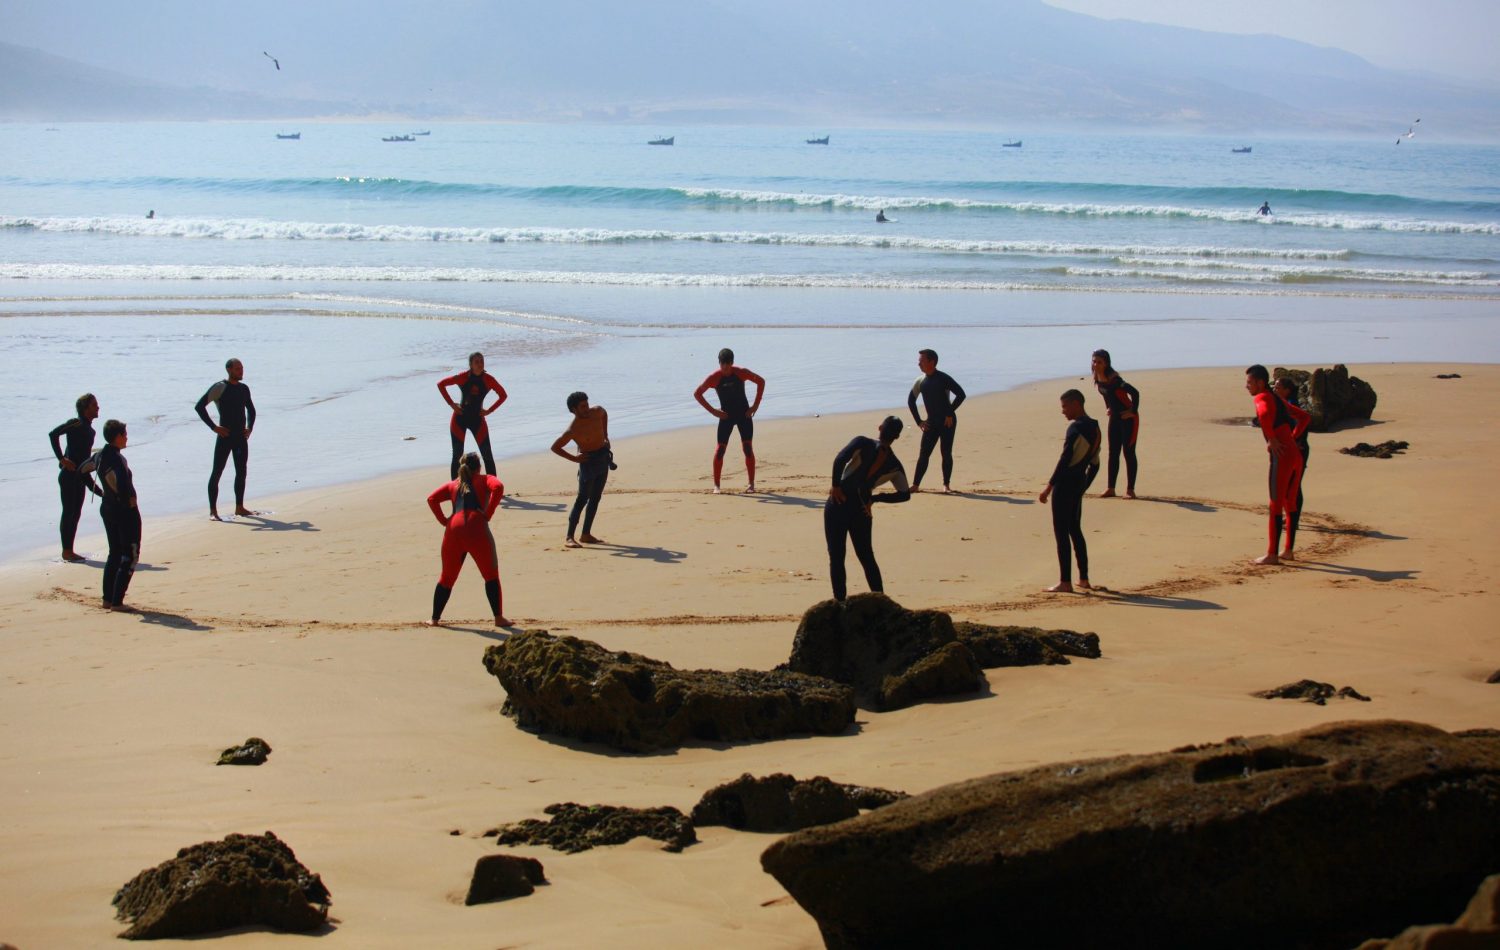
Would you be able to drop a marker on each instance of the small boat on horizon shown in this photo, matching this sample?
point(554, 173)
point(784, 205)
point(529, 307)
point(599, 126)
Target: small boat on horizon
point(398, 138)
point(1015, 144)
point(428, 132)
point(821, 141)
point(1242, 151)
point(669, 140)
point(292, 136)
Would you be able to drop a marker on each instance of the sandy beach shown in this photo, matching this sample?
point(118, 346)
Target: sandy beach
point(392, 758)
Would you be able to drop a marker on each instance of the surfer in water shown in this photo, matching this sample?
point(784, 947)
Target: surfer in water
point(1265, 208)
point(880, 217)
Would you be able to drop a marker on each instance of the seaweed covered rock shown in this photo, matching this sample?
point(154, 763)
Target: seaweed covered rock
point(499, 877)
point(1331, 395)
point(575, 827)
point(782, 803)
point(1390, 448)
point(1318, 838)
point(252, 751)
point(893, 657)
point(244, 880)
point(1009, 645)
point(1312, 691)
point(571, 687)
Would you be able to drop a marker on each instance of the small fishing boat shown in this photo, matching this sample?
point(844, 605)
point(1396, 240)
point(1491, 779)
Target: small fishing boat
point(428, 132)
point(821, 141)
point(1241, 151)
point(666, 141)
point(292, 136)
point(398, 138)
point(1015, 144)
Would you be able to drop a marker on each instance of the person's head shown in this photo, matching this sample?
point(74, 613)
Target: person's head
point(890, 429)
point(87, 406)
point(235, 369)
point(115, 434)
point(468, 467)
point(1257, 380)
point(1072, 404)
point(1284, 387)
point(726, 357)
point(476, 362)
point(578, 403)
point(927, 360)
point(1101, 364)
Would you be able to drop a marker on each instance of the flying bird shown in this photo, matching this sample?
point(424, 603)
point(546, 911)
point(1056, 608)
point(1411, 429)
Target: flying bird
point(272, 59)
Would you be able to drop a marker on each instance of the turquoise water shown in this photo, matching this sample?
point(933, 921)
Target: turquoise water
point(349, 274)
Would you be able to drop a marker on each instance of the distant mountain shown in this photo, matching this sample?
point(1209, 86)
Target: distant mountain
point(997, 63)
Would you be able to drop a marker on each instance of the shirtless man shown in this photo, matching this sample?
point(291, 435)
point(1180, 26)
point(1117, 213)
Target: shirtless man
point(1282, 425)
point(590, 433)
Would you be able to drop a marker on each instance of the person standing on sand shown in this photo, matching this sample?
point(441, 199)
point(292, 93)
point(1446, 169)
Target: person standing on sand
point(1075, 472)
point(859, 468)
point(589, 431)
point(469, 412)
point(1122, 402)
point(734, 412)
point(121, 515)
point(934, 386)
point(466, 533)
point(72, 483)
point(236, 421)
point(1287, 390)
point(1282, 425)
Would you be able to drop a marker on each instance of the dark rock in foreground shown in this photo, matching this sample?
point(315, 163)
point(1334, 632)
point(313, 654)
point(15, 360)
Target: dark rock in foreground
point(1008, 645)
point(252, 752)
point(575, 828)
point(571, 687)
point(241, 881)
point(1384, 450)
point(1311, 691)
point(1330, 395)
point(782, 803)
point(1494, 677)
point(1318, 838)
point(1448, 376)
point(1477, 928)
point(499, 877)
point(893, 657)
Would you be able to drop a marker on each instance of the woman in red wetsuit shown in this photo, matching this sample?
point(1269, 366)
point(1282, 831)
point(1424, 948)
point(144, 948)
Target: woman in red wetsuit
point(467, 533)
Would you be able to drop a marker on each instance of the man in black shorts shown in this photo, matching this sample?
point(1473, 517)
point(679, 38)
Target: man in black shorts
point(934, 386)
point(236, 420)
point(862, 466)
point(733, 412)
point(71, 482)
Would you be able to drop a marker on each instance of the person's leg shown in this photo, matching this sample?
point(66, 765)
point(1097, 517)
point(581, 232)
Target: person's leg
point(113, 531)
point(1062, 534)
point(221, 455)
point(240, 448)
point(721, 443)
point(482, 437)
point(452, 554)
point(1131, 466)
point(597, 480)
point(71, 488)
point(1116, 444)
point(455, 436)
point(1075, 532)
point(581, 499)
point(747, 442)
point(835, 530)
point(482, 548)
point(945, 443)
point(129, 528)
point(930, 437)
point(1291, 503)
point(860, 536)
point(440, 596)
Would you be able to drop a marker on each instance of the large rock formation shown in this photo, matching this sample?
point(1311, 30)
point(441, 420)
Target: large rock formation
point(782, 803)
point(571, 687)
point(241, 881)
point(893, 657)
point(574, 827)
point(1477, 928)
point(1008, 645)
point(1315, 839)
point(1331, 395)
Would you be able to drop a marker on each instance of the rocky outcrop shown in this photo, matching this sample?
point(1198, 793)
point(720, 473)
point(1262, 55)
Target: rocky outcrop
point(1318, 838)
point(252, 752)
point(570, 687)
point(891, 656)
point(1388, 449)
point(1477, 928)
point(996, 646)
point(782, 803)
point(241, 881)
point(1331, 395)
point(1312, 691)
point(575, 827)
point(499, 877)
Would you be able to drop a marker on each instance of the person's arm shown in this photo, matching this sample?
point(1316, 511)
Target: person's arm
point(435, 501)
point(1135, 399)
point(1304, 419)
point(760, 389)
point(498, 390)
point(212, 396)
point(1063, 460)
point(901, 490)
point(443, 385)
point(562, 440)
point(86, 469)
point(604, 424)
point(497, 492)
point(841, 462)
point(911, 401)
point(704, 387)
point(958, 394)
point(1265, 414)
point(55, 436)
point(249, 412)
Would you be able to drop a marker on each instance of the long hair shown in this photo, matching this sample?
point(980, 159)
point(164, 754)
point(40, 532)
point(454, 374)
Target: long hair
point(468, 466)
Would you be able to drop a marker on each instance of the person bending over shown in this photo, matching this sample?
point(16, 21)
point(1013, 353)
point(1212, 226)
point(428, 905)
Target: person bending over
point(1282, 425)
point(734, 411)
point(589, 432)
point(1071, 478)
point(466, 533)
point(73, 484)
point(860, 467)
point(236, 421)
point(1122, 402)
point(469, 412)
point(934, 387)
point(1287, 390)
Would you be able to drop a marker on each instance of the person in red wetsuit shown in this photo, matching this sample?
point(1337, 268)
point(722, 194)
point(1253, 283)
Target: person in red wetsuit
point(1122, 403)
point(1282, 424)
point(469, 412)
point(734, 411)
point(467, 534)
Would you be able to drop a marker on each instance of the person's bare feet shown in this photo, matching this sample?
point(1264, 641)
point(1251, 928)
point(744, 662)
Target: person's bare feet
point(1130, 493)
point(1287, 555)
point(502, 622)
point(590, 539)
point(916, 489)
point(716, 490)
point(570, 543)
point(1267, 559)
point(1061, 587)
point(73, 557)
point(244, 512)
point(947, 490)
point(750, 489)
point(213, 515)
point(434, 622)
point(121, 608)
point(1107, 493)
point(1085, 585)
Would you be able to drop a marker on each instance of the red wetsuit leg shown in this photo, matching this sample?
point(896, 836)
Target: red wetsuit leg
point(453, 554)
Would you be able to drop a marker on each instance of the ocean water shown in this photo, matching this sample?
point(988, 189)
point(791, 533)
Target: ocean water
point(350, 273)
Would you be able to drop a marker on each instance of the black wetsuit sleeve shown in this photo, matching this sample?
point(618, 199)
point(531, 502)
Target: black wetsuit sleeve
point(1135, 396)
point(841, 461)
point(957, 391)
point(213, 394)
point(56, 437)
point(901, 491)
point(1063, 460)
point(249, 410)
point(911, 400)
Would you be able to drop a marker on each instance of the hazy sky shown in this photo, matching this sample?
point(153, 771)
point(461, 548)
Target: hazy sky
point(1453, 37)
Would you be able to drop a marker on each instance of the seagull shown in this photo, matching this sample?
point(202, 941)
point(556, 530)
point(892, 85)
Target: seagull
point(278, 65)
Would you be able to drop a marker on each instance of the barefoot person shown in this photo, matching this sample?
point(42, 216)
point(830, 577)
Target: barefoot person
point(466, 533)
point(1071, 478)
point(236, 421)
point(1287, 390)
point(734, 412)
point(469, 412)
point(1282, 425)
point(1123, 403)
point(859, 468)
point(72, 483)
point(934, 386)
point(590, 433)
point(122, 517)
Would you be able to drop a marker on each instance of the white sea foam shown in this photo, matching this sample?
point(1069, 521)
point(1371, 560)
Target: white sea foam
point(1306, 271)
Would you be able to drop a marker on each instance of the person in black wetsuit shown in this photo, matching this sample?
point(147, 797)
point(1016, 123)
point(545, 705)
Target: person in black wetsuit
point(1287, 390)
point(469, 412)
point(1122, 401)
point(1075, 471)
point(70, 481)
point(862, 466)
point(122, 517)
point(236, 421)
point(934, 386)
point(734, 411)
